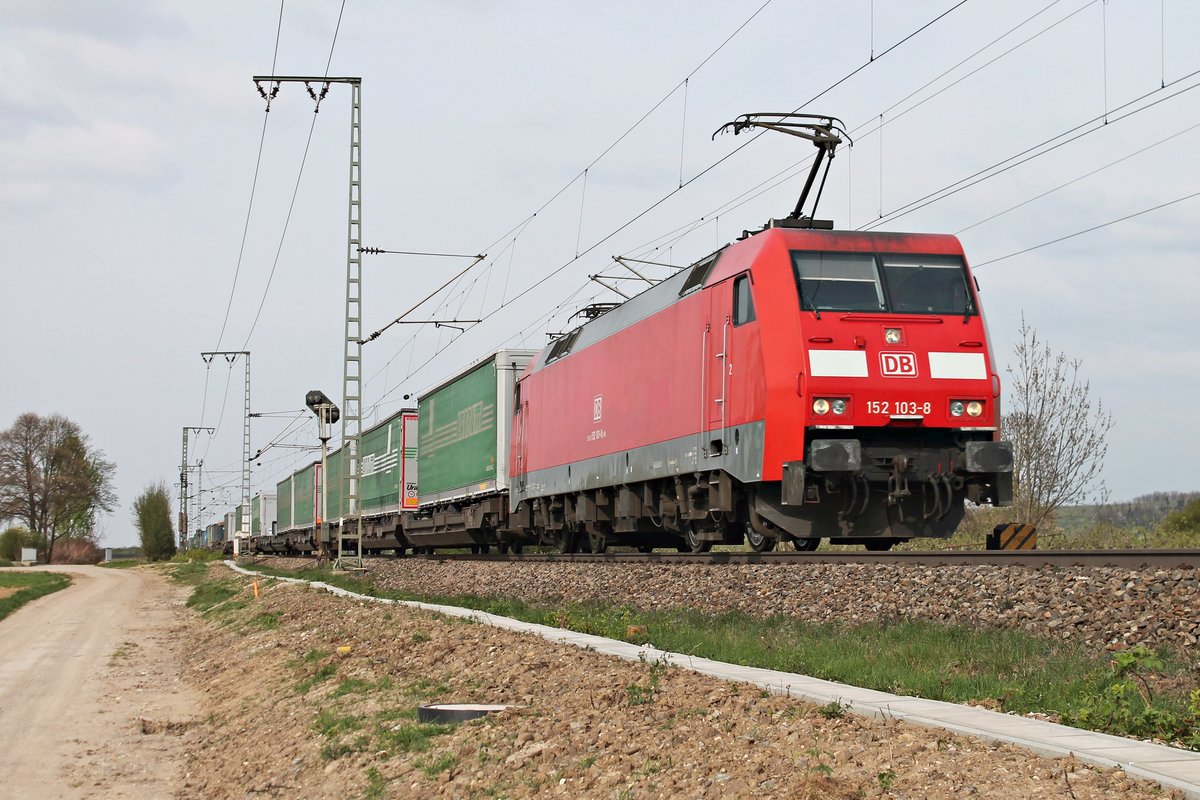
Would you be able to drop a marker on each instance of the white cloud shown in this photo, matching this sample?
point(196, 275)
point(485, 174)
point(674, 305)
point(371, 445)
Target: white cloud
point(102, 148)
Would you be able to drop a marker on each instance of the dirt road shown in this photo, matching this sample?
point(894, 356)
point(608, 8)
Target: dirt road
point(91, 698)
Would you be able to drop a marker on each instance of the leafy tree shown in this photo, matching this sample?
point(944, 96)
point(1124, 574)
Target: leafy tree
point(13, 539)
point(53, 480)
point(152, 515)
point(1057, 431)
point(1185, 520)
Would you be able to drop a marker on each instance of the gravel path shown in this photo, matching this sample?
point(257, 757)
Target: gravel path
point(1101, 607)
point(90, 694)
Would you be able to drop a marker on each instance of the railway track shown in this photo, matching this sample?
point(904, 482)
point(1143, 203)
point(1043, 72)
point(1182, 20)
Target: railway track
point(1128, 559)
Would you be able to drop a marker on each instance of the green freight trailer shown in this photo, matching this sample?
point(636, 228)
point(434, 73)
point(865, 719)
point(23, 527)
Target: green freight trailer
point(387, 487)
point(463, 425)
point(389, 465)
point(304, 483)
point(388, 480)
point(262, 514)
point(283, 496)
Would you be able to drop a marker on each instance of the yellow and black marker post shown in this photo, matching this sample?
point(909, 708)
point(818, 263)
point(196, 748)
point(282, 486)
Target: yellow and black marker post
point(1012, 536)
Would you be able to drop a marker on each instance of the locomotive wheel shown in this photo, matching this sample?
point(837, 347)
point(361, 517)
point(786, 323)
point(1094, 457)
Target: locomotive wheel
point(518, 548)
point(502, 548)
point(759, 543)
point(567, 541)
point(598, 540)
point(694, 543)
point(880, 545)
point(806, 545)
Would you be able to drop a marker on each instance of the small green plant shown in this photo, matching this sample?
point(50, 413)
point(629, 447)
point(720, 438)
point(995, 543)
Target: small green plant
point(351, 686)
point(886, 779)
point(436, 766)
point(411, 738)
point(376, 785)
point(268, 621)
point(817, 765)
point(636, 694)
point(324, 673)
point(337, 730)
point(834, 709)
point(1122, 702)
point(421, 636)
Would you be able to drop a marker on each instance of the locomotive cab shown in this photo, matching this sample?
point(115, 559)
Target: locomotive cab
point(883, 412)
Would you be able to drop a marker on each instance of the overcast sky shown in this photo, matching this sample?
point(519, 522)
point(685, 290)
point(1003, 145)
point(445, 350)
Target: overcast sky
point(129, 138)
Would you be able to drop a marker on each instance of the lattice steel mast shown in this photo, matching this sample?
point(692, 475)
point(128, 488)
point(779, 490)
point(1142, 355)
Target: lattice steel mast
point(350, 529)
point(183, 486)
point(244, 530)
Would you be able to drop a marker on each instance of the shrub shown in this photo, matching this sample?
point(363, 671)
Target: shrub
point(76, 551)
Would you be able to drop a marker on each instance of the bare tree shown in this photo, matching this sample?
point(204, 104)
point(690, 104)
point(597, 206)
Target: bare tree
point(1057, 432)
point(52, 479)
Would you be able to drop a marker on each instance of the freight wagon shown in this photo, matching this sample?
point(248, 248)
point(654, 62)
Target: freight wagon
point(464, 429)
point(387, 488)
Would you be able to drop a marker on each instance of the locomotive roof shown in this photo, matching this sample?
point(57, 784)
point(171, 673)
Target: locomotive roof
point(733, 259)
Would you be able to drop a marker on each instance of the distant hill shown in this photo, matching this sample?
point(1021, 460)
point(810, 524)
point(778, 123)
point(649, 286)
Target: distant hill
point(1146, 511)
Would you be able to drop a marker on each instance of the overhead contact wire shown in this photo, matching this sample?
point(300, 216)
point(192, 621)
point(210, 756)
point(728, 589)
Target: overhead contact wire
point(295, 190)
point(1088, 230)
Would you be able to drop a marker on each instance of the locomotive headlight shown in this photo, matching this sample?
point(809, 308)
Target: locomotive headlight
point(956, 408)
point(891, 335)
point(974, 408)
point(838, 406)
point(820, 406)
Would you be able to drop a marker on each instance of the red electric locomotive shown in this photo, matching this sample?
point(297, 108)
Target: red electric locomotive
point(799, 384)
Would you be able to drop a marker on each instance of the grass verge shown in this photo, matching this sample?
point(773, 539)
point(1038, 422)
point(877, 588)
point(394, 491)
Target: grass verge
point(124, 563)
point(29, 586)
point(1137, 693)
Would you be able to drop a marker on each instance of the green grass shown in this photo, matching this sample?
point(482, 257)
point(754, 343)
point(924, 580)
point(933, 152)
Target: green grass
point(415, 737)
point(206, 596)
point(124, 563)
point(267, 621)
point(323, 673)
point(30, 586)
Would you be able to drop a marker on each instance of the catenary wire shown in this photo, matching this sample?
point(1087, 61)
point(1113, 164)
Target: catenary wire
point(1087, 230)
point(295, 190)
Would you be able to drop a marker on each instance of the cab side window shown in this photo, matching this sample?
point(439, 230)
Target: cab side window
point(743, 301)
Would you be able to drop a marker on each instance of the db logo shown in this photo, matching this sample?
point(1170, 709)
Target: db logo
point(898, 365)
point(597, 407)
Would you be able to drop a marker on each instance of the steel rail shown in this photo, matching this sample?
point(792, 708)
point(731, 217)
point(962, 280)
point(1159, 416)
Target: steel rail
point(1125, 559)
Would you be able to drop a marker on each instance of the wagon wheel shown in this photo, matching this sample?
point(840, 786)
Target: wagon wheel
point(759, 543)
point(692, 543)
point(502, 548)
point(880, 545)
point(645, 548)
point(807, 545)
point(598, 539)
point(567, 541)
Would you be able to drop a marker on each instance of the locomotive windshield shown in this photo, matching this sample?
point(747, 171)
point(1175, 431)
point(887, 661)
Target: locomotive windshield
point(905, 283)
